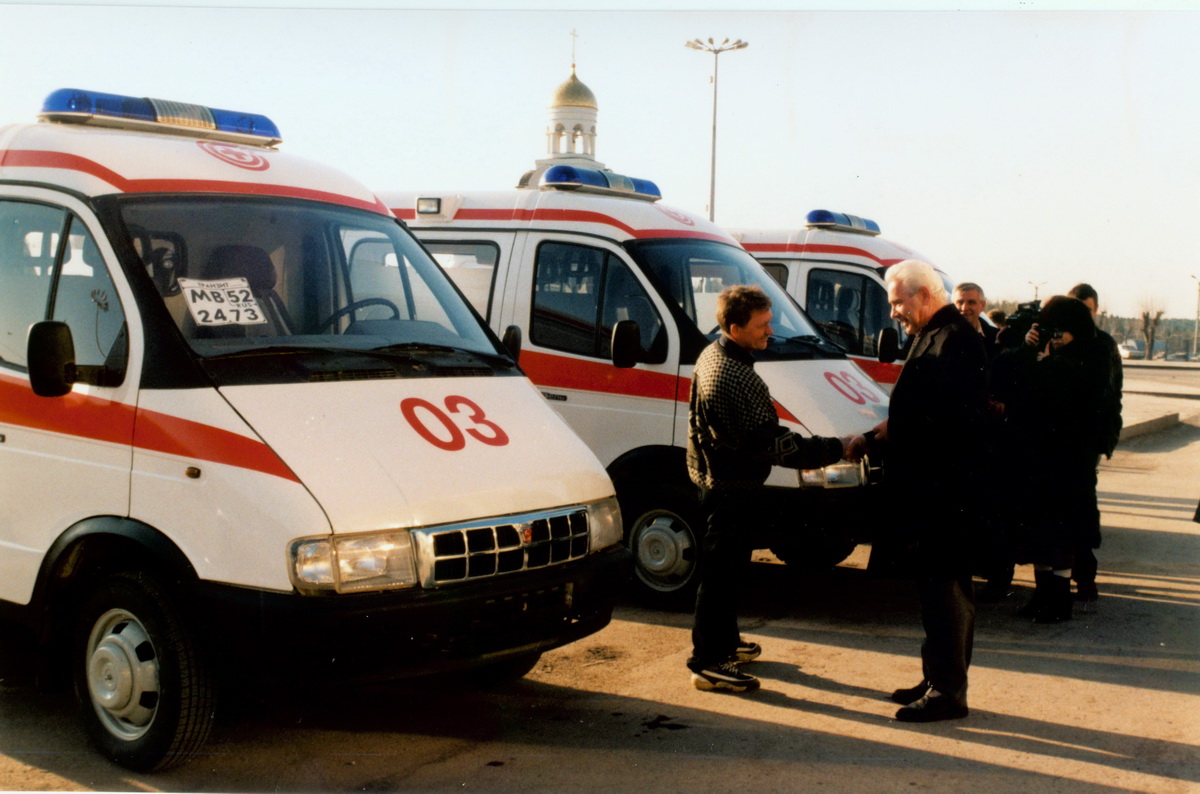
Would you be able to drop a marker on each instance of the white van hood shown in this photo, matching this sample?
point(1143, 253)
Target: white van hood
point(826, 397)
point(358, 448)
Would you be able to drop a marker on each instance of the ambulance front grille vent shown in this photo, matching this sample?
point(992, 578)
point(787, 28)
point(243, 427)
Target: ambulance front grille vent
point(464, 372)
point(353, 374)
point(447, 555)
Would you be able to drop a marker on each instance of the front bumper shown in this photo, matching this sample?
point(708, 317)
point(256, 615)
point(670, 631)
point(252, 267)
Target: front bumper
point(402, 633)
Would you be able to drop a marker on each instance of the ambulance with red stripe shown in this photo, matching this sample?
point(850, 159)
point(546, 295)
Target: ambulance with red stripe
point(248, 426)
point(613, 295)
point(834, 267)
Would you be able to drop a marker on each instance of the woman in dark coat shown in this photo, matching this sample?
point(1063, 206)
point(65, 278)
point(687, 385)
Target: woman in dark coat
point(1052, 434)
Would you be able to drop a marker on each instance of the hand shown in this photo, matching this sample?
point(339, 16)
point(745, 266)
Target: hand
point(854, 447)
point(1032, 337)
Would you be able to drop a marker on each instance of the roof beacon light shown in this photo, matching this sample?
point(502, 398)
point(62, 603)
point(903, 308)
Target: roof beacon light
point(840, 221)
point(73, 106)
point(590, 180)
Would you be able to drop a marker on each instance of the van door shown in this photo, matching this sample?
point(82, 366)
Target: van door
point(66, 458)
point(571, 293)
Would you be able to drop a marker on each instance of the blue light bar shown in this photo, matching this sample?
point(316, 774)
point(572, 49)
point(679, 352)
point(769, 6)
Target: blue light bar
point(157, 115)
point(843, 222)
point(591, 180)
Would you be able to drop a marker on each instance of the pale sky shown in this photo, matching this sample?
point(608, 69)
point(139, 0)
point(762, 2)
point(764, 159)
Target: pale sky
point(1035, 142)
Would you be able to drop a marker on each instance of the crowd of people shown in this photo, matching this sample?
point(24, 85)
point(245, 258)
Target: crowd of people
point(991, 451)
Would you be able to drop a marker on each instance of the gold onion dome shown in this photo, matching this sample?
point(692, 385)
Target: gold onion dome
point(574, 93)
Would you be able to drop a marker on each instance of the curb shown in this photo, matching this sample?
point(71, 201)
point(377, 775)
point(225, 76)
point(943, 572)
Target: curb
point(1155, 425)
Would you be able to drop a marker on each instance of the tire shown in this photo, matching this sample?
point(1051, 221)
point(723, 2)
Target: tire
point(146, 696)
point(813, 552)
point(499, 674)
point(665, 534)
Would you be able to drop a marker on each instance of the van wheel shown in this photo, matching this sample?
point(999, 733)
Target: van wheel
point(665, 533)
point(498, 674)
point(146, 697)
point(818, 552)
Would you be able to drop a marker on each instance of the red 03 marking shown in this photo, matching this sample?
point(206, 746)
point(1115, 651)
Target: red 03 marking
point(850, 387)
point(422, 413)
point(235, 155)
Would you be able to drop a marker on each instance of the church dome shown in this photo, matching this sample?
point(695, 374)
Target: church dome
point(574, 93)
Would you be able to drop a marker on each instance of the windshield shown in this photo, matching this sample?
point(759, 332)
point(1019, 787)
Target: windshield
point(247, 275)
point(692, 273)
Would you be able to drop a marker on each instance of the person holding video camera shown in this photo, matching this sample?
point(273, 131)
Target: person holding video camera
point(1052, 434)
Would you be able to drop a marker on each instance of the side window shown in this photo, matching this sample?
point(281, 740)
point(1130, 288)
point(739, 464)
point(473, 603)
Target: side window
point(777, 271)
point(580, 293)
point(472, 268)
point(836, 303)
point(876, 317)
point(378, 277)
point(86, 300)
point(29, 236)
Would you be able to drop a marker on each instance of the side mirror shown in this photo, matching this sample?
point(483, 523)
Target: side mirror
point(627, 344)
point(51, 357)
point(888, 345)
point(512, 342)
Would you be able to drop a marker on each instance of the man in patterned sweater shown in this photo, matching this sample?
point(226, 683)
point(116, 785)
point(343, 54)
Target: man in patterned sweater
point(734, 438)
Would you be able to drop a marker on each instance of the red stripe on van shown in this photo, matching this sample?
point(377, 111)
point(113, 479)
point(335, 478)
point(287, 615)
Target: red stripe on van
point(814, 248)
point(111, 422)
point(32, 158)
point(80, 415)
point(879, 372)
point(173, 435)
point(557, 216)
point(560, 372)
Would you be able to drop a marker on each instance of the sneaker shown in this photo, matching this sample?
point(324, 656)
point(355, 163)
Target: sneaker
point(911, 695)
point(934, 706)
point(746, 651)
point(725, 676)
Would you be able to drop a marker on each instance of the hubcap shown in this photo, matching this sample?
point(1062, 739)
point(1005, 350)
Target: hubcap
point(122, 674)
point(665, 550)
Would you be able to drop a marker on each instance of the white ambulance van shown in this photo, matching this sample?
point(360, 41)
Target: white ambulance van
point(834, 267)
point(614, 295)
point(248, 425)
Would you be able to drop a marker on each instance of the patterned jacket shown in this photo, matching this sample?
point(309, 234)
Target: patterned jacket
point(734, 435)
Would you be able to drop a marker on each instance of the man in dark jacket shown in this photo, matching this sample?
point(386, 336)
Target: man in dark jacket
point(934, 481)
point(1084, 572)
point(734, 438)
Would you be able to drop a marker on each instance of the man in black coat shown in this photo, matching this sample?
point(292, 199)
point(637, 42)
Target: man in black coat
point(934, 481)
point(1110, 433)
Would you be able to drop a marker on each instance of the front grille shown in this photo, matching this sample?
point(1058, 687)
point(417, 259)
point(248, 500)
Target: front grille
point(480, 550)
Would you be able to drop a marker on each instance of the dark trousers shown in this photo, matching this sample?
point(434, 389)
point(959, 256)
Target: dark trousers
point(728, 545)
point(948, 615)
point(1084, 569)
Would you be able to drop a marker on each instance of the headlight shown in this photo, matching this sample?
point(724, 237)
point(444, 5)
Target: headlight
point(604, 523)
point(839, 475)
point(353, 563)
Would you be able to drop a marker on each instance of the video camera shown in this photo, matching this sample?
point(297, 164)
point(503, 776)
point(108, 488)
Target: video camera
point(1019, 323)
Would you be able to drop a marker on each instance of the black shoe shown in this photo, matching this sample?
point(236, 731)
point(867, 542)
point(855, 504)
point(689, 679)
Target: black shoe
point(911, 695)
point(1038, 599)
point(745, 651)
point(932, 708)
point(1056, 605)
point(724, 676)
point(1086, 591)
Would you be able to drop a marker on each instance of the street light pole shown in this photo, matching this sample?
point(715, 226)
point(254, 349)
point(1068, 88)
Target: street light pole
point(1035, 287)
point(715, 49)
point(1196, 330)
